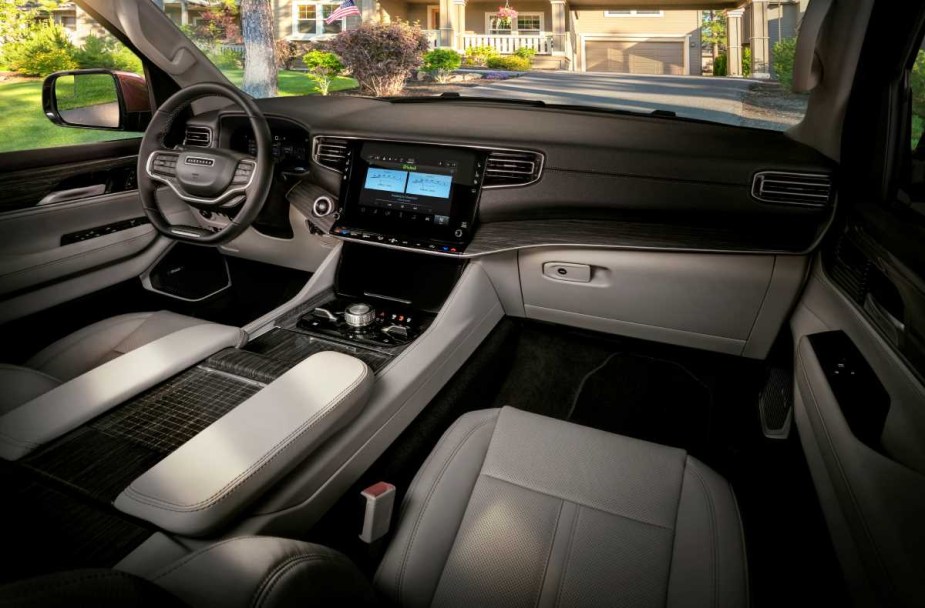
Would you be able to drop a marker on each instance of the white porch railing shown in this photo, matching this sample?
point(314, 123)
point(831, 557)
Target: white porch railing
point(508, 44)
point(433, 38)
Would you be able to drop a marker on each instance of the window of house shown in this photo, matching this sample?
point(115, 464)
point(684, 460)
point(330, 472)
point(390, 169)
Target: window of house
point(634, 13)
point(528, 24)
point(308, 19)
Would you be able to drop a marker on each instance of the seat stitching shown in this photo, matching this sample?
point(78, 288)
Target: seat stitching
point(272, 578)
point(713, 532)
point(197, 554)
point(577, 502)
point(568, 554)
point(552, 546)
point(233, 485)
point(430, 493)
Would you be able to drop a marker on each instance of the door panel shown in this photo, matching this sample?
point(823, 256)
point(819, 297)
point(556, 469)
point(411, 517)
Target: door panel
point(871, 483)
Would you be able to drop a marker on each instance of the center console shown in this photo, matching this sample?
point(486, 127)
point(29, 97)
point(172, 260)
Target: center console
point(410, 196)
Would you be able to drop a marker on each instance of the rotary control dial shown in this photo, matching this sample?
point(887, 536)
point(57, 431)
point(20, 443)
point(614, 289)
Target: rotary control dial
point(359, 315)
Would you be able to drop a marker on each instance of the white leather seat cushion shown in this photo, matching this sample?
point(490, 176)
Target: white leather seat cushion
point(100, 342)
point(21, 384)
point(515, 509)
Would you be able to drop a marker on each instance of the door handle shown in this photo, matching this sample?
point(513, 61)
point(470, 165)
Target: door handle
point(73, 193)
point(884, 318)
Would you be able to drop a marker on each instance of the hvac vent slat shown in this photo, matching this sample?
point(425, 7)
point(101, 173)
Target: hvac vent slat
point(331, 153)
point(792, 188)
point(200, 137)
point(504, 168)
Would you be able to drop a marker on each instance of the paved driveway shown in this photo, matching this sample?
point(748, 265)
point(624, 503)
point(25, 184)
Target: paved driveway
point(714, 99)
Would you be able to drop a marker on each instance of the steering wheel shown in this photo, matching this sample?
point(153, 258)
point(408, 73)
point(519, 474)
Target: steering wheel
point(211, 179)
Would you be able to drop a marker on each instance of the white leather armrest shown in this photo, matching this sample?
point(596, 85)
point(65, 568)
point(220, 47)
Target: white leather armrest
point(216, 473)
point(73, 403)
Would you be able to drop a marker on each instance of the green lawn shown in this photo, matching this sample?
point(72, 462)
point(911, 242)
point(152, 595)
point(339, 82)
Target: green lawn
point(295, 83)
point(25, 126)
point(918, 127)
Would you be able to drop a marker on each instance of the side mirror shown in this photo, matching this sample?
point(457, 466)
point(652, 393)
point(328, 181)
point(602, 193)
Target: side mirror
point(97, 99)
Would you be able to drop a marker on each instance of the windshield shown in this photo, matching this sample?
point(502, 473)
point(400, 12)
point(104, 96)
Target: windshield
point(729, 66)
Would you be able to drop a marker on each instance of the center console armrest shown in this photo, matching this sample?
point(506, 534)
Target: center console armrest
point(73, 403)
point(215, 474)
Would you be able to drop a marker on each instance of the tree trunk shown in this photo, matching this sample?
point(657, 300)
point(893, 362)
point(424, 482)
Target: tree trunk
point(260, 72)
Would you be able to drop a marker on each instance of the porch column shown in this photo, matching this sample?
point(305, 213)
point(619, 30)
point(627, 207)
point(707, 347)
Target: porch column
point(734, 41)
point(759, 40)
point(459, 23)
point(368, 10)
point(559, 40)
point(446, 24)
point(184, 12)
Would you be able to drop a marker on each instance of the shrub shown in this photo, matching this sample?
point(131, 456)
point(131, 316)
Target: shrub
point(477, 56)
point(44, 50)
point(289, 51)
point(107, 52)
point(525, 53)
point(511, 63)
point(381, 56)
point(721, 65)
point(784, 52)
point(225, 58)
point(323, 68)
point(746, 61)
point(441, 63)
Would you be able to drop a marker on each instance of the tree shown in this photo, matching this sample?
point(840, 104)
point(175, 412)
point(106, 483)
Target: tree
point(260, 71)
point(323, 68)
point(713, 32)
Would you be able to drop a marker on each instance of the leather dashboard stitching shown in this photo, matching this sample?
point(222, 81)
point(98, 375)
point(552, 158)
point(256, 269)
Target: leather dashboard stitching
point(268, 457)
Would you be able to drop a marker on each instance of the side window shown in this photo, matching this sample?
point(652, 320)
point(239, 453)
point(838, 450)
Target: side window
point(917, 82)
point(37, 39)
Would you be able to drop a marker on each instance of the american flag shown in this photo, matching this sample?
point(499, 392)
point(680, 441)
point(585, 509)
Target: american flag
point(347, 8)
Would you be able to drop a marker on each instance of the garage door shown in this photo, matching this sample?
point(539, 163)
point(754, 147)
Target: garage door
point(640, 57)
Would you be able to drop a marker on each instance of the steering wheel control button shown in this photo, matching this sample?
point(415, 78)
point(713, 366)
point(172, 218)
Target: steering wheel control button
point(164, 164)
point(565, 271)
point(322, 206)
point(243, 173)
point(359, 315)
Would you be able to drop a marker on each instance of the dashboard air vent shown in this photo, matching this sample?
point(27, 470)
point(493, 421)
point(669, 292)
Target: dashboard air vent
point(331, 152)
point(807, 189)
point(200, 137)
point(511, 168)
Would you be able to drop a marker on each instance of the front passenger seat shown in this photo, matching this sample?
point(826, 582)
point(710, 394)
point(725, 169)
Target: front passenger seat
point(83, 350)
point(510, 509)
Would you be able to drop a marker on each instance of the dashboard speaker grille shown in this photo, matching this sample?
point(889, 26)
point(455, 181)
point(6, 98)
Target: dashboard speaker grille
point(331, 152)
point(807, 189)
point(198, 136)
point(512, 168)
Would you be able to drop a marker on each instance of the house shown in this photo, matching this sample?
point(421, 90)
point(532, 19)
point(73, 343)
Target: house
point(582, 35)
point(564, 37)
point(79, 25)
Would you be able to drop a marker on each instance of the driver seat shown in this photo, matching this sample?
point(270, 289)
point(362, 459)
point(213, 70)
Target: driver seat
point(83, 350)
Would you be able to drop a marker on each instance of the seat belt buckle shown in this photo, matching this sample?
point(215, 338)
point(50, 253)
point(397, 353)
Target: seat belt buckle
point(380, 499)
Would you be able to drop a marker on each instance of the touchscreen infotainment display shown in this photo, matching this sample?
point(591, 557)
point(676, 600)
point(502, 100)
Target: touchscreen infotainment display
point(414, 190)
point(411, 185)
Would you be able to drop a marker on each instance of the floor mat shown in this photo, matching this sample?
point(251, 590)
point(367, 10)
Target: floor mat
point(647, 398)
